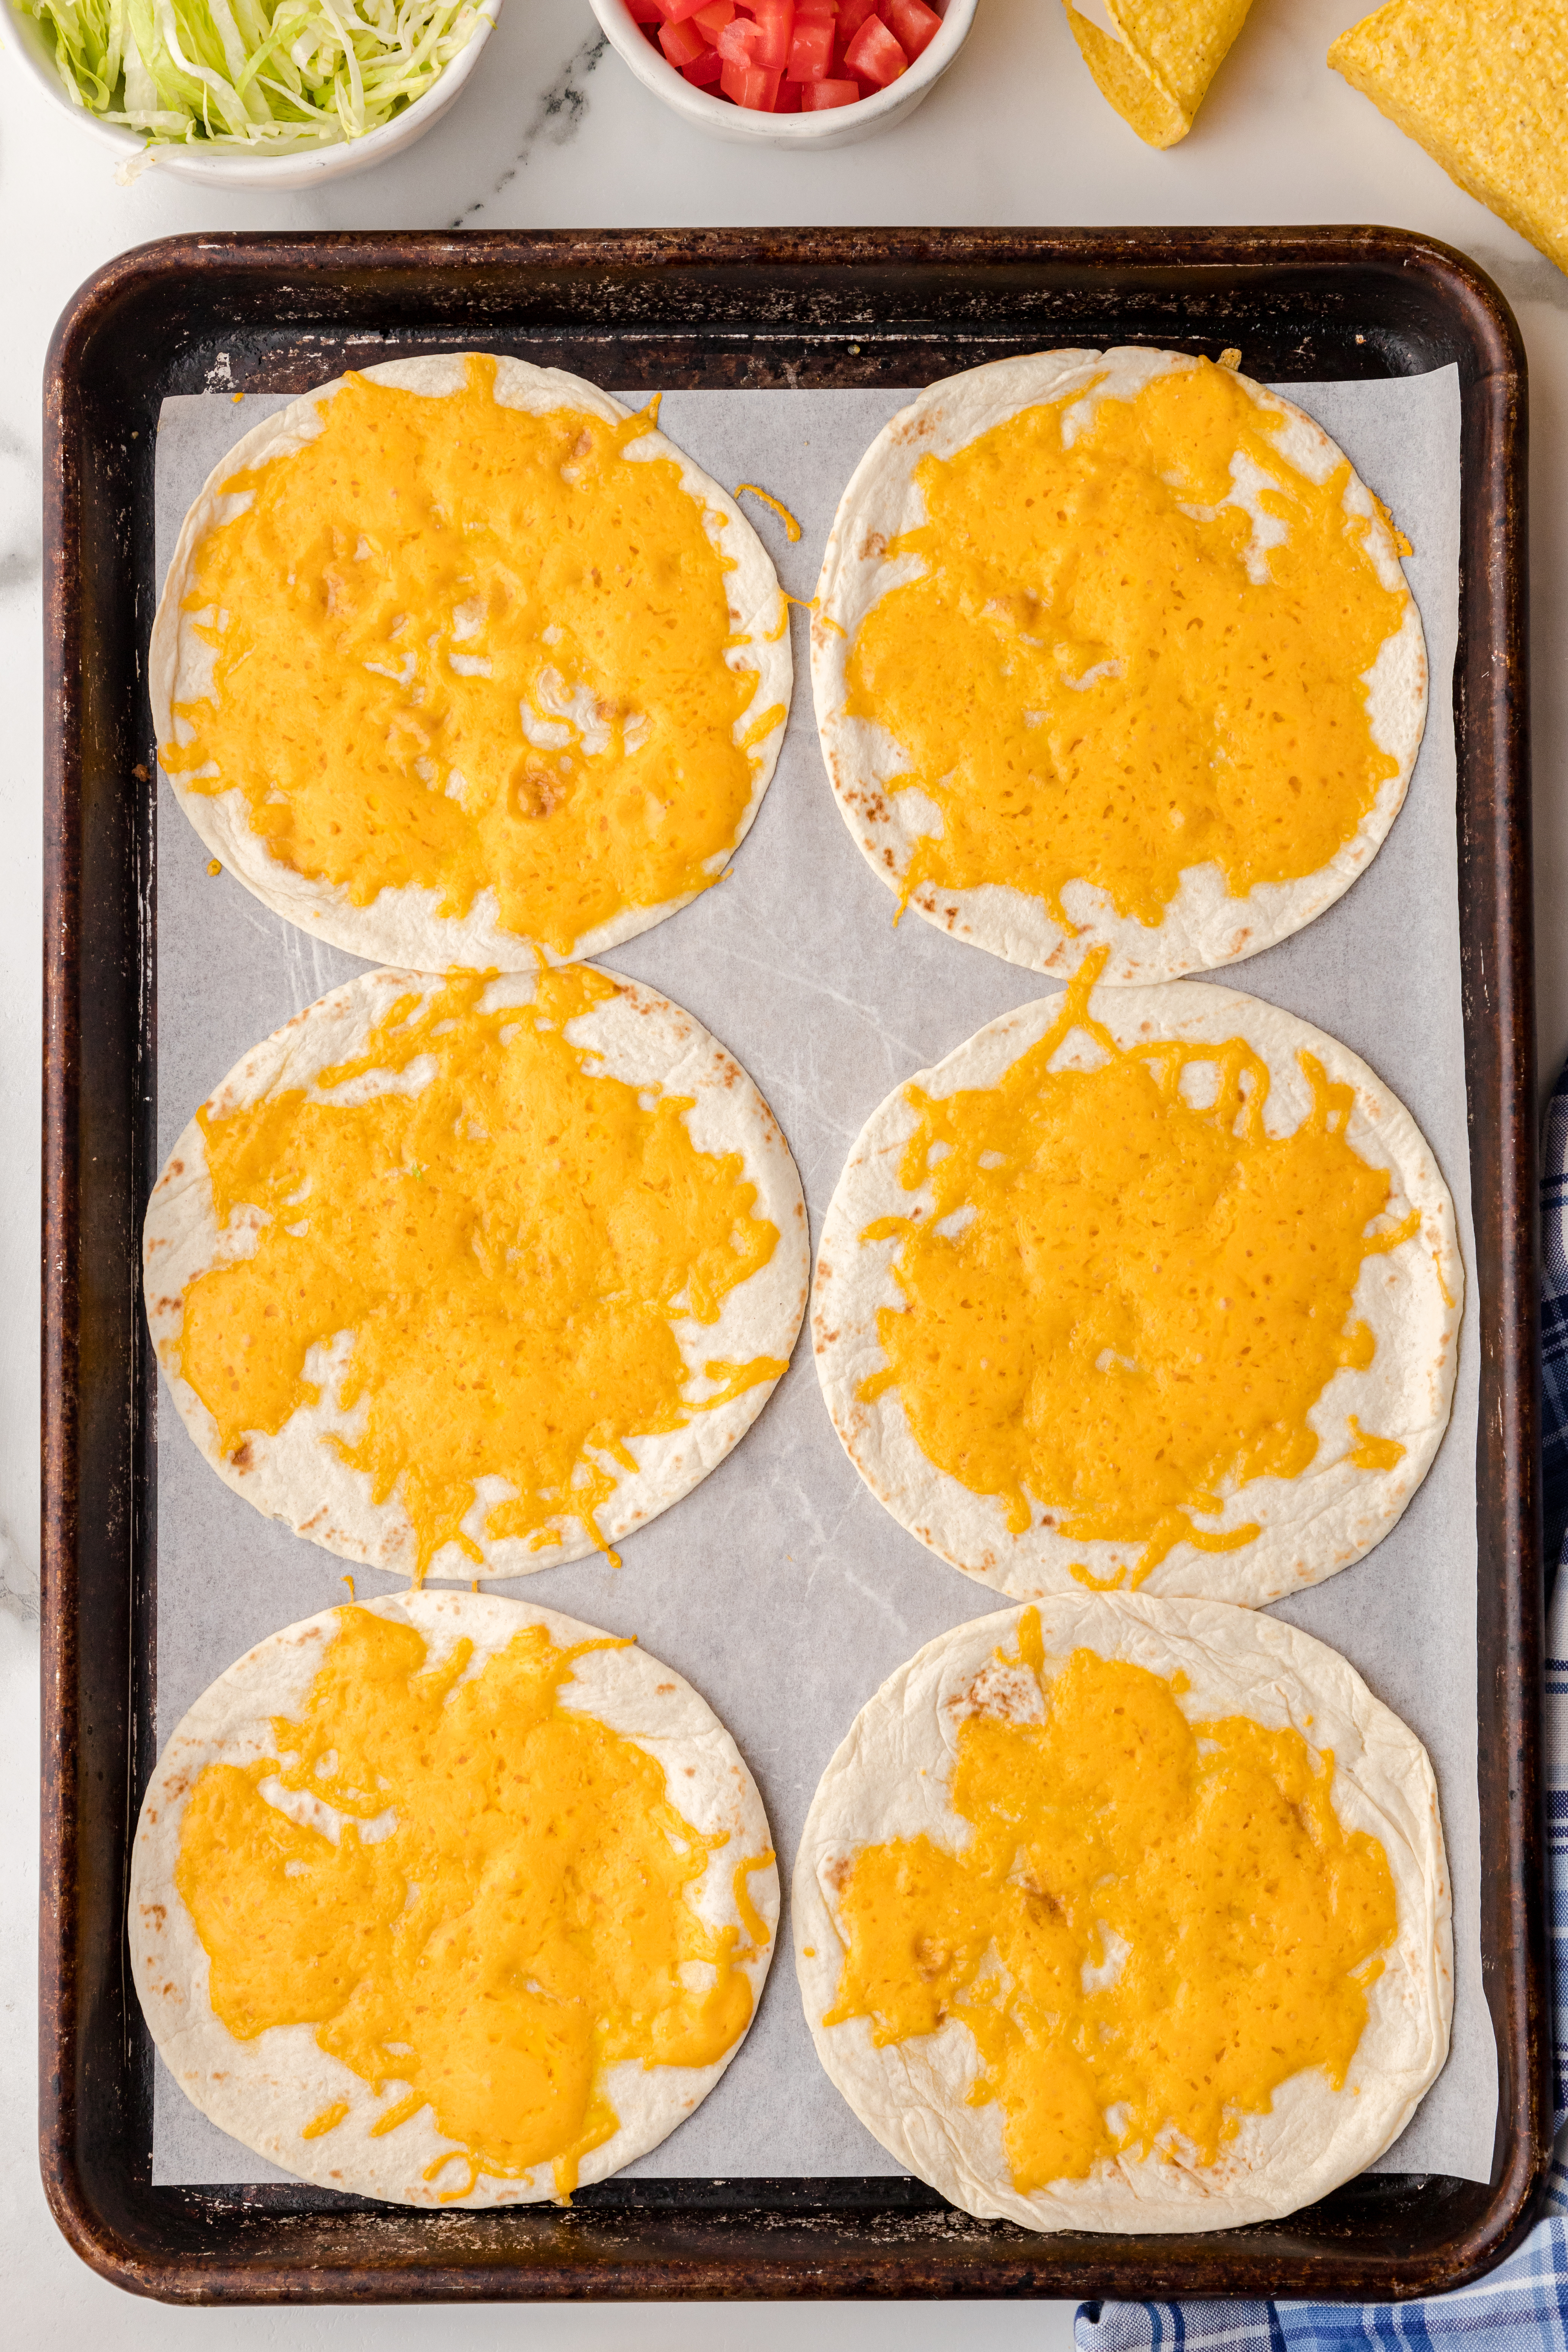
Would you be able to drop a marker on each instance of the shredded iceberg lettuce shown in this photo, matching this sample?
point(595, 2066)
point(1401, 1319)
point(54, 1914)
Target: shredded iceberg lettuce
point(263, 74)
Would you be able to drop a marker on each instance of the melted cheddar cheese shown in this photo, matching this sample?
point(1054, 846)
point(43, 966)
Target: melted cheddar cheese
point(507, 1236)
point(1104, 671)
point(1126, 1295)
point(1153, 1924)
point(501, 1911)
point(462, 647)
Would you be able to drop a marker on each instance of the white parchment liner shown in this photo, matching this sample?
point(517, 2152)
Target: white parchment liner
point(781, 1588)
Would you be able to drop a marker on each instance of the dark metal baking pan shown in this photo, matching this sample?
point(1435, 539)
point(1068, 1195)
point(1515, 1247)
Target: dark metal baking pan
point(694, 310)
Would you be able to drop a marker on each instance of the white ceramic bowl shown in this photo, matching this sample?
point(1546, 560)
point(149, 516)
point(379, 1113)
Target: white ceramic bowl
point(838, 126)
point(235, 167)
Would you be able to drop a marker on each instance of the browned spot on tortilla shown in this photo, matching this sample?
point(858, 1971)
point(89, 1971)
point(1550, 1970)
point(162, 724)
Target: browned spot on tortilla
point(534, 791)
point(242, 1458)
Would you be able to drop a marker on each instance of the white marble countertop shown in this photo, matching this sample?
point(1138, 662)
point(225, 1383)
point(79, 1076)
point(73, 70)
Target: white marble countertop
point(555, 133)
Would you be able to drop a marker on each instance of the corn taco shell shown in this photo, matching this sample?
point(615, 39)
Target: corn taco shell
point(1483, 85)
point(1154, 60)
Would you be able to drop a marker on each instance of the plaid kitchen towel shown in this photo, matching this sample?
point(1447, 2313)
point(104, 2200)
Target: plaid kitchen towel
point(1554, 1320)
point(1524, 2302)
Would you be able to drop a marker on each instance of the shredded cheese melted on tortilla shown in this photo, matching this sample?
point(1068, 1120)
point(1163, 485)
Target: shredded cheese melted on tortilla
point(1152, 1925)
point(459, 646)
point(1126, 1296)
point(1104, 674)
point(504, 1912)
point(508, 1238)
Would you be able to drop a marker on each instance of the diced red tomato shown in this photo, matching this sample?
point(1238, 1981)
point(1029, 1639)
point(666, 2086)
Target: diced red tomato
point(788, 57)
point(750, 87)
point(912, 24)
point(874, 56)
point(739, 41)
point(682, 45)
point(810, 49)
point(775, 19)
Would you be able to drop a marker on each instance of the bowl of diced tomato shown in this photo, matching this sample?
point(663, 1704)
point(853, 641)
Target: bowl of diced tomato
point(815, 73)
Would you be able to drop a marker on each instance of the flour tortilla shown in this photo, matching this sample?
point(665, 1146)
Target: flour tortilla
point(890, 1780)
point(1204, 927)
point(1410, 1298)
point(262, 2092)
point(404, 926)
point(299, 1477)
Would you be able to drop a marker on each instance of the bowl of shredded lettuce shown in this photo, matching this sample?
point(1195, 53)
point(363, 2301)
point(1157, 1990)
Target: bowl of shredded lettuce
point(253, 93)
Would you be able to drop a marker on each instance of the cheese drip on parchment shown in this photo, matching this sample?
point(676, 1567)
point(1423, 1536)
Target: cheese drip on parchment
point(508, 1236)
point(1106, 673)
point(1127, 1296)
point(461, 647)
point(1153, 1922)
point(504, 1912)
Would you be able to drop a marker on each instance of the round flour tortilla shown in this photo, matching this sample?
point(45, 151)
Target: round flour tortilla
point(299, 1477)
point(262, 2092)
point(1311, 1524)
point(890, 1780)
point(404, 926)
point(1204, 927)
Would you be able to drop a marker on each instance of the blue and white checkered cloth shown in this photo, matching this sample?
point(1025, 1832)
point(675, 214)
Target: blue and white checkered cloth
point(1523, 2304)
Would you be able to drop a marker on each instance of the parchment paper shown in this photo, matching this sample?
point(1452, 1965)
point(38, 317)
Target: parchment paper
point(781, 1588)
